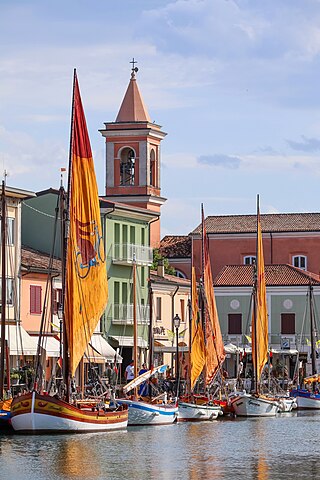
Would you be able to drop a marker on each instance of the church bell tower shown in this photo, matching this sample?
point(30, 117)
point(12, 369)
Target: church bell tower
point(133, 156)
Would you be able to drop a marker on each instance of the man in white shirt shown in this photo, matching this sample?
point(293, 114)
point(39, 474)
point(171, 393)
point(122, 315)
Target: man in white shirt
point(129, 372)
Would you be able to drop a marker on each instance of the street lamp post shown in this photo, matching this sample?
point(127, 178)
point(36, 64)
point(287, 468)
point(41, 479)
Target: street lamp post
point(176, 323)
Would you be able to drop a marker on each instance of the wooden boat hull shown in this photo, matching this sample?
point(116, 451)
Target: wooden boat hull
point(35, 413)
point(247, 405)
point(144, 413)
point(306, 400)
point(5, 414)
point(191, 412)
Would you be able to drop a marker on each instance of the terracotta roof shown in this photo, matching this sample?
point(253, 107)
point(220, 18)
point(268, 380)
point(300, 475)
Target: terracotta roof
point(270, 222)
point(176, 246)
point(276, 275)
point(155, 278)
point(132, 108)
point(33, 260)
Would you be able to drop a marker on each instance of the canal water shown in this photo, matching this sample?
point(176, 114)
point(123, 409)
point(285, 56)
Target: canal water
point(284, 447)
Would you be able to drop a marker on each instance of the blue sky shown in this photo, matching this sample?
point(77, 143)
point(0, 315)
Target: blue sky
point(234, 83)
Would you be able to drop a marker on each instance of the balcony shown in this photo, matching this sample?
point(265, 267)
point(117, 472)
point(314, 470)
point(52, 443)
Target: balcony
point(122, 314)
point(125, 253)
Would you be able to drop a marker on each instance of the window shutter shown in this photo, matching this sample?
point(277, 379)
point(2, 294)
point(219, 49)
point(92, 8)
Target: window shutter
point(35, 299)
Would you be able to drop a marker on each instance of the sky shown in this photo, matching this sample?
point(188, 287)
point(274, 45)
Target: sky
point(234, 83)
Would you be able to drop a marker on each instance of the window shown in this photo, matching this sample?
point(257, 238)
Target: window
point(249, 260)
point(9, 291)
point(158, 309)
point(116, 297)
point(180, 274)
point(152, 168)
point(143, 236)
point(288, 323)
point(182, 310)
point(143, 277)
point(132, 235)
point(56, 300)
point(35, 299)
point(235, 324)
point(10, 230)
point(124, 293)
point(127, 166)
point(300, 261)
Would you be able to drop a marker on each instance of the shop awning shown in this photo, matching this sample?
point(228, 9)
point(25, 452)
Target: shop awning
point(161, 348)
point(101, 345)
point(128, 341)
point(231, 348)
point(52, 347)
point(92, 356)
point(19, 341)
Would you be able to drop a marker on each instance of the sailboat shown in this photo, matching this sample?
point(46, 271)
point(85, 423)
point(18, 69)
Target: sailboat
point(255, 404)
point(207, 349)
point(146, 411)
point(84, 288)
point(309, 398)
point(5, 403)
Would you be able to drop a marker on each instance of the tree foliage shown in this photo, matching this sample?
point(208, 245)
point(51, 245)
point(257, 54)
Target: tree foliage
point(157, 257)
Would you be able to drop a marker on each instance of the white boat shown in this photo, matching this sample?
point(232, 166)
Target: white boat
point(207, 351)
point(148, 413)
point(287, 404)
point(191, 412)
point(254, 405)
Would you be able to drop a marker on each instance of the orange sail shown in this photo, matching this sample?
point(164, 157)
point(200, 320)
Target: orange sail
point(260, 330)
point(215, 353)
point(198, 354)
point(86, 276)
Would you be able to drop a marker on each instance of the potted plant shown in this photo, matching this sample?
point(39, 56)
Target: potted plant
point(14, 377)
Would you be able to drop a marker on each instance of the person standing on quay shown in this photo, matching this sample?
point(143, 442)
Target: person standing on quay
point(129, 372)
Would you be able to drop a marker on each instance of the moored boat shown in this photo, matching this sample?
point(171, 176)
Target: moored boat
point(305, 399)
point(84, 299)
point(254, 405)
point(148, 413)
point(36, 413)
point(192, 412)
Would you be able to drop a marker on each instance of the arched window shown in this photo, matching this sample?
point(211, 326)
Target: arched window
point(153, 169)
point(249, 260)
point(300, 261)
point(180, 274)
point(127, 166)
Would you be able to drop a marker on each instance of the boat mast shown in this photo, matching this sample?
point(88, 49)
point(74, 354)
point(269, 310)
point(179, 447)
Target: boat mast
point(312, 331)
point(64, 217)
point(254, 333)
point(135, 323)
point(3, 286)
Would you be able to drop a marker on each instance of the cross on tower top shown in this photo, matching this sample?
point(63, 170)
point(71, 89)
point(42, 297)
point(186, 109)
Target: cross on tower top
point(134, 69)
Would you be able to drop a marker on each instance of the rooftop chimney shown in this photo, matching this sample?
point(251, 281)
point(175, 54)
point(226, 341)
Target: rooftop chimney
point(160, 269)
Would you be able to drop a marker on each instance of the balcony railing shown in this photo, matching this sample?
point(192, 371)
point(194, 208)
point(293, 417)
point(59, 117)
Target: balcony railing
point(125, 253)
point(122, 314)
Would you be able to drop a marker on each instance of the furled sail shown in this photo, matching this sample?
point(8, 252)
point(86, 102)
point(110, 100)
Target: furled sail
point(86, 277)
point(215, 353)
point(198, 354)
point(260, 341)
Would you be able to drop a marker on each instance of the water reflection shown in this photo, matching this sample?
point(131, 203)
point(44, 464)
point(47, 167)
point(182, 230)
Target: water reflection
point(76, 458)
point(245, 449)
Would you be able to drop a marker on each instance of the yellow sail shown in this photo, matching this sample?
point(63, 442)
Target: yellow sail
point(260, 341)
point(86, 276)
point(198, 354)
point(215, 353)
